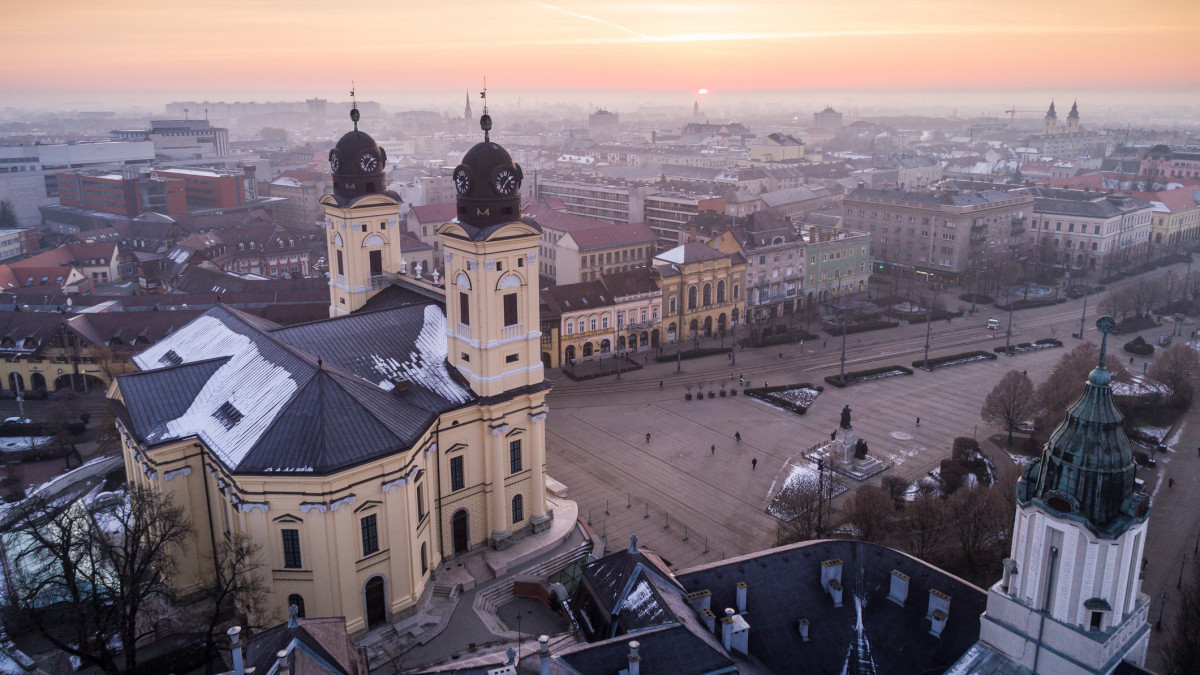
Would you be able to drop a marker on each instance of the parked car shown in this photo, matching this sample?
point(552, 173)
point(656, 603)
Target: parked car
point(17, 420)
point(34, 394)
point(1165, 340)
point(8, 394)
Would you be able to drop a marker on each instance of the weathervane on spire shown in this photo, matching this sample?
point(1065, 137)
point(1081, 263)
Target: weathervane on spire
point(485, 120)
point(1106, 325)
point(353, 106)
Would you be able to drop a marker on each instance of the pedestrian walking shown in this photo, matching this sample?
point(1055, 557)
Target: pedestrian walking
point(1170, 483)
point(1198, 452)
point(647, 436)
point(738, 436)
point(781, 355)
point(714, 448)
point(660, 383)
point(918, 421)
point(825, 344)
point(754, 464)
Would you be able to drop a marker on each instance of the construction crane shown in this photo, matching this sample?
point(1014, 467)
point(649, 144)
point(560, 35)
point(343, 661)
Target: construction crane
point(1012, 113)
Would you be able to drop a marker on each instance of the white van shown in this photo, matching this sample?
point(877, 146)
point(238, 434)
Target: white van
point(993, 323)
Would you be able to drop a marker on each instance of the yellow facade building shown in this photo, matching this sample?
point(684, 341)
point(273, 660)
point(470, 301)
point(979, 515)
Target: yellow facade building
point(361, 451)
point(701, 290)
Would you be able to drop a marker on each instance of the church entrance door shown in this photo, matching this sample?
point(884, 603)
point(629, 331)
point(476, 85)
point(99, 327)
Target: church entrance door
point(375, 598)
point(458, 532)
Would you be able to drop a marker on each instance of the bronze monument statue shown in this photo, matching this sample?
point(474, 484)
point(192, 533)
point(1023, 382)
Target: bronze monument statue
point(846, 417)
point(860, 449)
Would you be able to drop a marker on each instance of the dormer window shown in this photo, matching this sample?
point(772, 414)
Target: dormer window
point(227, 415)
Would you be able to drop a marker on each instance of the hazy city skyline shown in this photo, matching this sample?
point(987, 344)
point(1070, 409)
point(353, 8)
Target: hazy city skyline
point(141, 53)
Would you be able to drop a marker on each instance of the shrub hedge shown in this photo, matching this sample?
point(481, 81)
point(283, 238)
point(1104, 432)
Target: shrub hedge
point(694, 354)
point(861, 327)
point(856, 376)
point(762, 393)
point(939, 361)
point(1139, 346)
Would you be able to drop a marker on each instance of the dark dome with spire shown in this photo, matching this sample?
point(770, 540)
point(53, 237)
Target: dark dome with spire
point(358, 165)
point(1087, 468)
point(488, 183)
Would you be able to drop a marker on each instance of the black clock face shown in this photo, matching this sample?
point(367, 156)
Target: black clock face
point(462, 180)
point(505, 181)
point(368, 162)
point(335, 161)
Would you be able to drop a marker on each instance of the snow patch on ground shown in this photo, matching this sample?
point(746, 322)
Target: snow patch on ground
point(18, 443)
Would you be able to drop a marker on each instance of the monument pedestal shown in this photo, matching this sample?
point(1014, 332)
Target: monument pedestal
point(857, 468)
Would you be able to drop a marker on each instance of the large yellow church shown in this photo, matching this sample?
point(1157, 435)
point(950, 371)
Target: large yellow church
point(360, 451)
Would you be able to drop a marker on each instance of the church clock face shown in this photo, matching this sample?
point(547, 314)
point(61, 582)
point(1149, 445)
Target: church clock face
point(462, 180)
point(505, 181)
point(368, 162)
point(335, 161)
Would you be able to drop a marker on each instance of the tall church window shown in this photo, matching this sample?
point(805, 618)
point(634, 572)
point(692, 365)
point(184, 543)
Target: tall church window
point(457, 479)
point(692, 297)
point(370, 535)
point(707, 294)
point(464, 308)
point(510, 309)
point(518, 509)
point(424, 559)
point(340, 264)
point(720, 291)
point(514, 456)
point(376, 262)
point(291, 549)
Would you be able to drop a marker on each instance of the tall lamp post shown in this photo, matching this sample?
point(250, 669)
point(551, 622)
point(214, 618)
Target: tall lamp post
point(842, 316)
point(928, 328)
point(1082, 317)
point(1008, 334)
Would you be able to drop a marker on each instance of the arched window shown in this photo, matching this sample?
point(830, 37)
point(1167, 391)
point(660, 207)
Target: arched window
point(692, 297)
point(721, 291)
point(707, 294)
point(518, 509)
point(298, 601)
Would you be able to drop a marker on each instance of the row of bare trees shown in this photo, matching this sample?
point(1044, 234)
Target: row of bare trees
point(99, 584)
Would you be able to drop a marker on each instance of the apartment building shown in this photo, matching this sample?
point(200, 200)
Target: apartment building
point(606, 201)
point(701, 290)
point(126, 194)
point(1088, 231)
point(574, 248)
point(939, 233)
point(29, 173)
point(1175, 217)
point(208, 188)
point(180, 139)
point(668, 213)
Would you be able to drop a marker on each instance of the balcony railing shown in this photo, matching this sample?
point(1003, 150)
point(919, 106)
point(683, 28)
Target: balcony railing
point(511, 332)
point(378, 281)
point(464, 331)
point(641, 325)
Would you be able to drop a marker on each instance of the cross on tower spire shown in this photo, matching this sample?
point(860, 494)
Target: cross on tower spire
point(485, 120)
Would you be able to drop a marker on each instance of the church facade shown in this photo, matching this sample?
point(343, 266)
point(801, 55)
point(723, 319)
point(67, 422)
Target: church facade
point(361, 451)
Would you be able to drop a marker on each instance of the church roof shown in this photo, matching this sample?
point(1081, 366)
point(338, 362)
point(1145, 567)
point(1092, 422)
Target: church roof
point(267, 399)
point(1087, 468)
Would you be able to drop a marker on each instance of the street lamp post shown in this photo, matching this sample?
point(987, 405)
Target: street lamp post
point(928, 328)
point(1082, 317)
point(1182, 564)
point(1161, 607)
point(843, 373)
point(1008, 334)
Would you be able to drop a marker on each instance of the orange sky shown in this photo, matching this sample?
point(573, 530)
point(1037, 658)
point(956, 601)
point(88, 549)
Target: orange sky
point(266, 46)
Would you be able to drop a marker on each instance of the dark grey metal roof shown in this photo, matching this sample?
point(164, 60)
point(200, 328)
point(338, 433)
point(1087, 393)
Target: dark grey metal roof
point(291, 389)
point(165, 394)
point(673, 650)
point(784, 586)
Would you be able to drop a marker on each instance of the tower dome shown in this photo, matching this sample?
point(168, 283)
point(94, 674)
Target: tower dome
point(358, 164)
point(488, 183)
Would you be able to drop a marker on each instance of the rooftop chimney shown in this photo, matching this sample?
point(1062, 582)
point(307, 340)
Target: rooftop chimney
point(239, 668)
point(281, 662)
point(544, 655)
point(938, 612)
point(831, 579)
point(633, 543)
point(803, 625)
point(898, 592)
point(727, 629)
point(709, 619)
point(741, 597)
point(635, 661)
point(699, 600)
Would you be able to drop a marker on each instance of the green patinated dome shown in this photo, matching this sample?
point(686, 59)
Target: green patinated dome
point(1087, 467)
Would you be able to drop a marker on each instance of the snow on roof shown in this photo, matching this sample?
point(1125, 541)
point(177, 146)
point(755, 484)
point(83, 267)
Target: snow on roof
point(286, 182)
point(191, 172)
point(208, 416)
point(427, 365)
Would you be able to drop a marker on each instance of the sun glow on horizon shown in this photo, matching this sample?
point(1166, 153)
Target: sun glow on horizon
point(265, 46)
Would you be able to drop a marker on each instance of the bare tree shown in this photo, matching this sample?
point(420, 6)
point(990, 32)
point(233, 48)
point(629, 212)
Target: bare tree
point(870, 512)
point(87, 582)
point(797, 504)
point(236, 587)
point(1181, 653)
point(896, 487)
point(1179, 368)
point(922, 529)
point(975, 525)
point(1010, 403)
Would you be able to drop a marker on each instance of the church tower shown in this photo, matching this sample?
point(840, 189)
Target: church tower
point(492, 322)
point(1073, 119)
point(362, 228)
point(1050, 124)
point(467, 115)
point(1070, 599)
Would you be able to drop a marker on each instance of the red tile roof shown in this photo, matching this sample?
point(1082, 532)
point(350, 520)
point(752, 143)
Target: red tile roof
point(606, 236)
point(435, 213)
